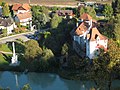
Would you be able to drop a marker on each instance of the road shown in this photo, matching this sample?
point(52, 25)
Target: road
point(22, 36)
point(59, 3)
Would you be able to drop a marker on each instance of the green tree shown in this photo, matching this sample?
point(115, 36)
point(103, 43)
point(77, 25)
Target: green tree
point(55, 21)
point(40, 16)
point(116, 6)
point(82, 10)
point(2, 3)
point(91, 12)
point(4, 31)
point(117, 28)
point(108, 11)
point(44, 9)
point(106, 66)
point(41, 19)
point(47, 60)
point(88, 10)
point(32, 50)
point(64, 49)
point(6, 11)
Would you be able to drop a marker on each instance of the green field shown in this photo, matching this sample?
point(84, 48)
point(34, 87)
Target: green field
point(5, 48)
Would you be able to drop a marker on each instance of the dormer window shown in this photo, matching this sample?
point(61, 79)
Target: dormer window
point(96, 36)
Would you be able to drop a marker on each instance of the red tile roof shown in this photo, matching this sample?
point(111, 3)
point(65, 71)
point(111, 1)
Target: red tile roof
point(85, 16)
point(96, 32)
point(18, 5)
point(64, 12)
point(24, 15)
point(26, 6)
point(81, 28)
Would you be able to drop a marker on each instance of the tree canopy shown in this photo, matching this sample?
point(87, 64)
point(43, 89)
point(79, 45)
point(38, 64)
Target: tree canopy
point(117, 28)
point(6, 11)
point(116, 6)
point(89, 10)
point(40, 16)
point(32, 50)
point(55, 21)
point(108, 11)
point(106, 66)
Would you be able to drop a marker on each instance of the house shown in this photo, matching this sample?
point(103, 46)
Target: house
point(20, 8)
point(8, 24)
point(87, 40)
point(65, 13)
point(24, 19)
point(22, 14)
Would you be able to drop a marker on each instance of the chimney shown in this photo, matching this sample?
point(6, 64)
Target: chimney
point(77, 24)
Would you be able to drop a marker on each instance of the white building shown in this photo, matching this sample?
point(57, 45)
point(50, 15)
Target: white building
point(21, 8)
point(8, 24)
point(23, 14)
point(87, 38)
point(24, 19)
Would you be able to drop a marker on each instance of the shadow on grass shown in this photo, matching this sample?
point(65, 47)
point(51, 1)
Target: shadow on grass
point(7, 57)
point(19, 47)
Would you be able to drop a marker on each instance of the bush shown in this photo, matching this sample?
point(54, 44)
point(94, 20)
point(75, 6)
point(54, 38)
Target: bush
point(26, 87)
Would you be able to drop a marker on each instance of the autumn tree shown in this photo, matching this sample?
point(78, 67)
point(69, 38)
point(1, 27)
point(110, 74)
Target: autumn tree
point(6, 11)
point(32, 50)
point(106, 66)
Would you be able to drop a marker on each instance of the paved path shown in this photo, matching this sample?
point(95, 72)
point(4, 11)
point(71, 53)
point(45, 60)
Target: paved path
point(6, 52)
point(22, 36)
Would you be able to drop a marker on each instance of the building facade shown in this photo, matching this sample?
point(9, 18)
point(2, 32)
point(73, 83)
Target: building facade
point(7, 24)
point(87, 40)
point(22, 14)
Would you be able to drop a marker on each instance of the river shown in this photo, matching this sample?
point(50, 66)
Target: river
point(44, 81)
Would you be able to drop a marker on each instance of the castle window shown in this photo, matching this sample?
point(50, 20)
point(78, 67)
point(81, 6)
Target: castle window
point(96, 36)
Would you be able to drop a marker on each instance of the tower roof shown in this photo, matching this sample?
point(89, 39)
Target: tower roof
point(85, 16)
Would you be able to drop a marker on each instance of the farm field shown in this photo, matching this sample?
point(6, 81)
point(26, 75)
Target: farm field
point(45, 2)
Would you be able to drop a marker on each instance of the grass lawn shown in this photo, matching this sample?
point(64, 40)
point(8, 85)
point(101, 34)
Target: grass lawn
point(3, 62)
point(5, 48)
point(5, 59)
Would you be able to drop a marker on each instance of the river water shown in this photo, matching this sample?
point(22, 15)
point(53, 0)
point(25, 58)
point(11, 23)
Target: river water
point(44, 81)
